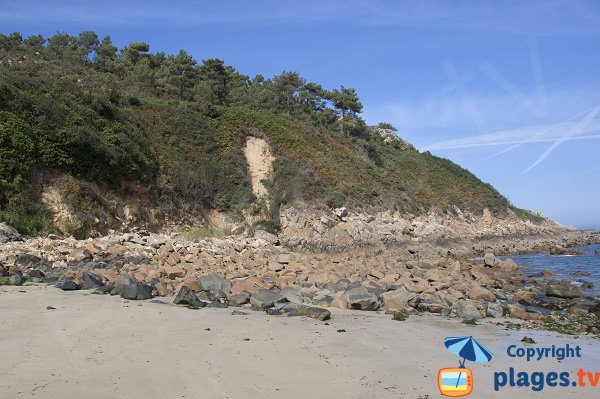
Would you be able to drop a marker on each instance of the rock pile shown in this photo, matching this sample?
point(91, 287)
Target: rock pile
point(419, 276)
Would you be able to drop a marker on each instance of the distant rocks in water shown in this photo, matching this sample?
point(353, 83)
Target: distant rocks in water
point(548, 273)
point(562, 289)
point(597, 252)
point(489, 259)
point(581, 273)
point(567, 251)
point(8, 233)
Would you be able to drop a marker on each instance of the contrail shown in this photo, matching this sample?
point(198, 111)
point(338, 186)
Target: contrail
point(577, 129)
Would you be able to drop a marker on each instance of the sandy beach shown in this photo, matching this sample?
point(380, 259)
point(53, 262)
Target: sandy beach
point(105, 347)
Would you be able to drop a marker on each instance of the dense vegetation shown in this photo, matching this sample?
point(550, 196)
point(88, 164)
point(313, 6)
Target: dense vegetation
point(78, 104)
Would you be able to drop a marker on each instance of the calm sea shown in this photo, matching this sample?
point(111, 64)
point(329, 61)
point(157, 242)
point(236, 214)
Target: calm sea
point(565, 266)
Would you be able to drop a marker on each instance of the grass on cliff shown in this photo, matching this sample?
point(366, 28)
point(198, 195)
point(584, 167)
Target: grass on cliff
point(77, 105)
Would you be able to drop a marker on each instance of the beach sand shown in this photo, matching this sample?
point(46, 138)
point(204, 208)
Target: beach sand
point(94, 346)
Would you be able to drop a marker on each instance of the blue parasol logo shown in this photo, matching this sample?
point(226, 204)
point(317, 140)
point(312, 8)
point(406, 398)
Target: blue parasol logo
point(456, 382)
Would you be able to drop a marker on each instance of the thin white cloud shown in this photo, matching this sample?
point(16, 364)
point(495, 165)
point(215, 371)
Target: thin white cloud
point(548, 133)
point(571, 134)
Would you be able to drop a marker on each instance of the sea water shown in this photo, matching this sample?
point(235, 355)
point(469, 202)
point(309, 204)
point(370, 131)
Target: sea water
point(565, 266)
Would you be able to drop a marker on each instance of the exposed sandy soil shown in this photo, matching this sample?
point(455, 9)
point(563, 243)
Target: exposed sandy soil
point(104, 347)
point(259, 158)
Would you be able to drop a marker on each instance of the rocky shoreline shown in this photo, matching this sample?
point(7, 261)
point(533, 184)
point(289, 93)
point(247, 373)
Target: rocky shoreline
point(411, 276)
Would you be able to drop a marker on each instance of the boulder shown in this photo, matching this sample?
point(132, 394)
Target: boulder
point(481, 294)
point(173, 272)
point(91, 281)
point(162, 289)
point(519, 312)
point(250, 284)
point(193, 284)
point(68, 285)
point(562, 289)
point(360, 299)
point(339, 303)
point(137, 291)
point(8, 233)
point(495, 310)
point(397, 299)
point(28, 261)
point(16, 279)
point(188, 297)
point(489, 259)
point(214, 281)
point(465, 309)
point(239, 299)
point(264, 299)
point(292, 295)
point(341, 212)
point(36, 275)
point(3, 270)
point(308, 311)
point(581, 273)
point(121, 282)
point(284, 259)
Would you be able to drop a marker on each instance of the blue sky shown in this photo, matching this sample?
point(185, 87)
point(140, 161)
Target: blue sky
point(510, 91)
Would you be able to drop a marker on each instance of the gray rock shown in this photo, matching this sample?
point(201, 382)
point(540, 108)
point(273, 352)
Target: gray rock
point(8, 233)
point(465, 309)
point(307, 311)
point(3, 270)
point(495, 310)
point(90, 281)
point(562, 289)
point(214, 281)
point(430, 306)
point(238, 228)
point(341, 212)
point(68, 285)
point(489, 259)
point(137, 291)
point(360, 299)
point(264, 299)
point(188, 297)
point(239, 299)
point(121, 282)
point(27, 261)
point(16, 279)
point(292, 295)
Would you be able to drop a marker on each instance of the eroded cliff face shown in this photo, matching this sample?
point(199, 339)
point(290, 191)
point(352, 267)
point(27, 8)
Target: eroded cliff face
point(84, 209)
